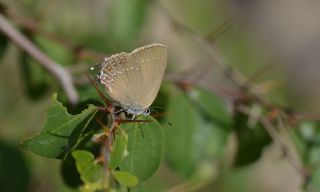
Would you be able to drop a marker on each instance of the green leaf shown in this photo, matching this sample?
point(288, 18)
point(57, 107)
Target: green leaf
point(84, 159)
point(125, 178)
point(145, 146)
point(91, 187)
point(3, 44)
point(90, 172)
point(214, 107)
point(61, 131)
point(138, 188)
point(191, 139)
point(119, 149)
point(180, 137)
point(251, 141)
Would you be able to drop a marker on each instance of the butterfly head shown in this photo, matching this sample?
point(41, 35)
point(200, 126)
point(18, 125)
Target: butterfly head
point(98, 67)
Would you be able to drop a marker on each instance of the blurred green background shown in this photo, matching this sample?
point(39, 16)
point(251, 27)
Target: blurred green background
point(273, 44)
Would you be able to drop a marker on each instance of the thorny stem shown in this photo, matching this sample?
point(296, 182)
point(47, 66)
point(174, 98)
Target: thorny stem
point(106, 143)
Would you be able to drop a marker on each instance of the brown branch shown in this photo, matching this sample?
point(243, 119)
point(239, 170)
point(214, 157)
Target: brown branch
point(61, 75)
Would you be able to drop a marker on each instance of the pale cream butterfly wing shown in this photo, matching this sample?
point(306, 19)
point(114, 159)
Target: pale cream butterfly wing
point(152, 61)
point(133, 79)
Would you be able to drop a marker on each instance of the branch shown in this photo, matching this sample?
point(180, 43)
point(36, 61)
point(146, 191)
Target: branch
point(61, 75)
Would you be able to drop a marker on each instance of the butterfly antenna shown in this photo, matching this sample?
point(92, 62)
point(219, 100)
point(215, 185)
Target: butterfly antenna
point(157, 115)
point(153, 111)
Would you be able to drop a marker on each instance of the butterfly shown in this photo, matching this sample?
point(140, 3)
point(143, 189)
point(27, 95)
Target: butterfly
point(133, 79)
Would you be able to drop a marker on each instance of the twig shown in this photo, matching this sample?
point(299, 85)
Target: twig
point(261, 71)
point(221, 30)
point(61, 75)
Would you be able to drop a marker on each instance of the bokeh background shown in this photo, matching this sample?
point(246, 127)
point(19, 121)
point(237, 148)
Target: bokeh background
point(273, 45)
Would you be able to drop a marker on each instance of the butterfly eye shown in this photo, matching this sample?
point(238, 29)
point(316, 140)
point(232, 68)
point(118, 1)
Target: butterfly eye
point(148, 111)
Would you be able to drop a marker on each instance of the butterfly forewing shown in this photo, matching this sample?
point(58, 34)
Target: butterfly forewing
point(135, 78)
